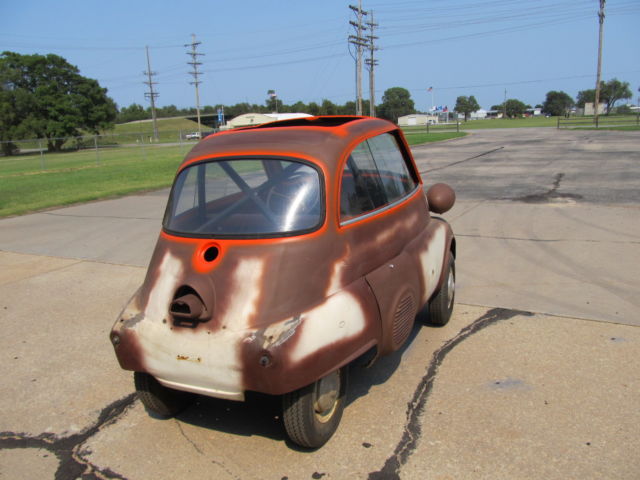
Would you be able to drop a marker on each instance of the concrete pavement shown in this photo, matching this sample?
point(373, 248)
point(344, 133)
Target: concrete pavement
point(536, 376)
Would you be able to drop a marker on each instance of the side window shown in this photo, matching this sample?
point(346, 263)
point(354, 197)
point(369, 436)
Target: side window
point(392, 166)
point(361, 189)
point(376, 174)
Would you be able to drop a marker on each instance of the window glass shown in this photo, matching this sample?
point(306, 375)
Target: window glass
point(392, 166)
point(376, 174)
point(245, 197)
point(361, 190)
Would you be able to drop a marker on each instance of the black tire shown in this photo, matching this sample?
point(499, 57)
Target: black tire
point(160, 400)
point(441, 304)
point(311, 417)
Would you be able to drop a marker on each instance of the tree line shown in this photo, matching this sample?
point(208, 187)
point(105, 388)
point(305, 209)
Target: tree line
point(396, 102)
point(43, 96)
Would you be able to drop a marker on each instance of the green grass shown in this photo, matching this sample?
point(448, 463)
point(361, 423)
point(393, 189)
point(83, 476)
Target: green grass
point(540, 121)
point(423, 137)
point(492, 123)
point(74, 177)
point(169, 129)
point(34, 182)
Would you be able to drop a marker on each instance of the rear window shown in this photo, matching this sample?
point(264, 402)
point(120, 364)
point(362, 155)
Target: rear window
point(245, 197)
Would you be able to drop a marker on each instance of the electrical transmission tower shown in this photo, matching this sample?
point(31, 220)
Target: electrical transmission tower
point(359, 41)
point(596, 102)
point(196, 74)
point(151, 95)
point(371, 63)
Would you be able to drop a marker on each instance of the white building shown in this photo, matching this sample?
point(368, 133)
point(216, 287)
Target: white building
point(589, 110)
point(248, 119)
point(478, 114)
point(417, 119)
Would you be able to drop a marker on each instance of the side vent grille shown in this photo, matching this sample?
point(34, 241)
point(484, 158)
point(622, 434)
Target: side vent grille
point(403, 319)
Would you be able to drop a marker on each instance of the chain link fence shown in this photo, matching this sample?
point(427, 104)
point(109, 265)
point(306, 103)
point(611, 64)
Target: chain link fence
point(32, 155)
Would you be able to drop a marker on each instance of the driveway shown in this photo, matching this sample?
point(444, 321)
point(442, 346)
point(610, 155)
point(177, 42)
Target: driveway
point(536, 376)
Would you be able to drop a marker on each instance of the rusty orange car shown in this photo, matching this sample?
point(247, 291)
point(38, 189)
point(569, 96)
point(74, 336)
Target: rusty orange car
point(287, 251)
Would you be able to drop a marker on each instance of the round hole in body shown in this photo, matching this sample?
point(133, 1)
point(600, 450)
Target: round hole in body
point(211, 253)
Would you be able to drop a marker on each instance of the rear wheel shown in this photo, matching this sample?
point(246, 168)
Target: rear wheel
point(441, 305)
point(312, 414)
point(161, 400)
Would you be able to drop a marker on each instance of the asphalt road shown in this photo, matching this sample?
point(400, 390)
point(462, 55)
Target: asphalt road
point(536, 376)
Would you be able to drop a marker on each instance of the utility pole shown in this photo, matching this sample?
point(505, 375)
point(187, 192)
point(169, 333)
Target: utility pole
point(360, 42)
point(151, 95)
point(371, 63)
point(596, 103)
point(195, 64)
point(504, 105)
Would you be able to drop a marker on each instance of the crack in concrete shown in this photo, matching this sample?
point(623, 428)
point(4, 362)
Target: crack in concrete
point(413, 429)
point(197, 449)
point(193, 444)
point(69, 450)
point(549, 195)
point(460, 161)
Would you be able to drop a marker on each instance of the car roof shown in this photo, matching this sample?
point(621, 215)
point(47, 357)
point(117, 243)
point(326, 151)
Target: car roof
point(322, 139)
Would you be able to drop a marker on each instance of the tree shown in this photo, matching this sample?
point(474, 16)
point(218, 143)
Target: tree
point(616, 90)
point(47, 97)
point(272, 100)
point(466, 106)
point(514, 108)
point(558, 103)
point(132, 113)
point(298, 107)
point(171, 111)
point(588, 96)
point(610, 93)
point(349, 108)
point(396, 102)
point(328, 108)
point(313, 109)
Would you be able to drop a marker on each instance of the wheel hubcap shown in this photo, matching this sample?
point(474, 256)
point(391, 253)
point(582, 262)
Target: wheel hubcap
point(451, 287)
point(326, 396)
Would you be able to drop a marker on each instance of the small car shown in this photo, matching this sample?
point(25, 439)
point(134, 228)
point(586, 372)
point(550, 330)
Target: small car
point(287, 251)
point(193, 136)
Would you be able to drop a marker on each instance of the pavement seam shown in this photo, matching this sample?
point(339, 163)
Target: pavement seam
point(57, 269)
point(412, 429)
point(558, 315)
point(78, 260)
point(100, 216)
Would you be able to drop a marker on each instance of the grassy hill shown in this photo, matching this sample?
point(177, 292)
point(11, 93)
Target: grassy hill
point(174, 124)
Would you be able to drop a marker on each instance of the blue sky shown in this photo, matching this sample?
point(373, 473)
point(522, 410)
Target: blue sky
point(299, 48)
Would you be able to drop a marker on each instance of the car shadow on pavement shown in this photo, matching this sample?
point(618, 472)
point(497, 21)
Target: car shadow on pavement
point(261, 414)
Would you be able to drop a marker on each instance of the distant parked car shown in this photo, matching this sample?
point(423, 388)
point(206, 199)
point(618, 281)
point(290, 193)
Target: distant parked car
point(193, 136)
point(288, 250)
